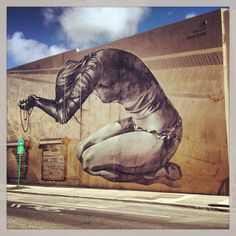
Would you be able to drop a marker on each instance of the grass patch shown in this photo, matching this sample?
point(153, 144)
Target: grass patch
point(18, 188)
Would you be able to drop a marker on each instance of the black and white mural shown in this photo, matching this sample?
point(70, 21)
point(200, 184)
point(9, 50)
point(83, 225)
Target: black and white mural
point(135, 149)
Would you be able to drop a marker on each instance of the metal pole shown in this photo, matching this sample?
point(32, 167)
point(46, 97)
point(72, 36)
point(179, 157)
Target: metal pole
point(19, 163)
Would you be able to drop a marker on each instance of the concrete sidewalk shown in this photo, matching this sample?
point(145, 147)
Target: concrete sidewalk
point(207, 202)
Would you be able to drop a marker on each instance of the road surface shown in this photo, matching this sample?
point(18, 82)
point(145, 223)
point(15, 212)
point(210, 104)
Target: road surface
point(31, 211)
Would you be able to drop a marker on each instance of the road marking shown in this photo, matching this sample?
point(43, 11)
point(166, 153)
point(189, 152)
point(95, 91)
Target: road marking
point(45, 208)
point(16, 205)
point(56, 208)
point(84, 205)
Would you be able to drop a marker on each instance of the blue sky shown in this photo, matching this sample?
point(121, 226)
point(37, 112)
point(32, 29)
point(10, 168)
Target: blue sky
point(36, 32)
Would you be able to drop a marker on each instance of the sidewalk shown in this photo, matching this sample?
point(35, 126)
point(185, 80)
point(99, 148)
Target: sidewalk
point(197, 201)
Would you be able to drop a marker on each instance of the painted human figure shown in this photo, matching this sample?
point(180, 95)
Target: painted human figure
point(134, 149)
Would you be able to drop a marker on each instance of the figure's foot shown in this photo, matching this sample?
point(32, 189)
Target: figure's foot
point(170, 171)
point(160, 180)
point(168, 175)
point(173, 171)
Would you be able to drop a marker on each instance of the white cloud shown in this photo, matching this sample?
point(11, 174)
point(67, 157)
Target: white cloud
point(49, 15)
point(84, 27)
point(22, 50)
point(190, 15)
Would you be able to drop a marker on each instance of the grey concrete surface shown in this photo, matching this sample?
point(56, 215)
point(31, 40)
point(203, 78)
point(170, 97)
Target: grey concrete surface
point(198, 201)
point(32, 211)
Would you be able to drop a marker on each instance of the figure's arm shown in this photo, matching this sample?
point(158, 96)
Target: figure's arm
point(62, 111)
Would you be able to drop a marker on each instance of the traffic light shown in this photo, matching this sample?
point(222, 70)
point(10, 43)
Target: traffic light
point(20, 146)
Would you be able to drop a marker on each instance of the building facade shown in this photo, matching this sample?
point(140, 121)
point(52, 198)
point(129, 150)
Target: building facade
point(189, 60)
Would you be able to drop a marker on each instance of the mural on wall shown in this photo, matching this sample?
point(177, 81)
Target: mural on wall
point(134, 149)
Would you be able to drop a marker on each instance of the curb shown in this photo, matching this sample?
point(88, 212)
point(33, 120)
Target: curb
point(199, 207)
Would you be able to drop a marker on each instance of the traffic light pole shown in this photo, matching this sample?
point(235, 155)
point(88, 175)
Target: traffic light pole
point(20, 151)
point(19, 164)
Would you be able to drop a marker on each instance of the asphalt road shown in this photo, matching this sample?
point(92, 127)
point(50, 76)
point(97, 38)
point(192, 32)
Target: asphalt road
point(30, 211)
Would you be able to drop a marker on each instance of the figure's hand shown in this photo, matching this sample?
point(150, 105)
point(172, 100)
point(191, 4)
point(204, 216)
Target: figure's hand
point(28, 103)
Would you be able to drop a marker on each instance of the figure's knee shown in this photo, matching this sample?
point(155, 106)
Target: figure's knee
point(87, 160)
point(81, 148)
point(79, 151)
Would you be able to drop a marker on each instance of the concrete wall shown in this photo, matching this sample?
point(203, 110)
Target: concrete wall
point(188, 58)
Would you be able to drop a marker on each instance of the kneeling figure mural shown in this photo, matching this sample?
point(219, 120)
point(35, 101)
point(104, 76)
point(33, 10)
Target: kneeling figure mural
point(135, 149)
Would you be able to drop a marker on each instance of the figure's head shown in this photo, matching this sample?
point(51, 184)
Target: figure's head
point(67, 75)
point(66, 78)
point(68, 71)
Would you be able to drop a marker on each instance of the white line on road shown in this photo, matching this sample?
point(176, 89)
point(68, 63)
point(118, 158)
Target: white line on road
point(16, 205)
point(68, 206)
point(83, 205)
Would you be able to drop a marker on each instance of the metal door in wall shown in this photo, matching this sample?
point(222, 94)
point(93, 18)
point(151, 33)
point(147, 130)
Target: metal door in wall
point(53, 162)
